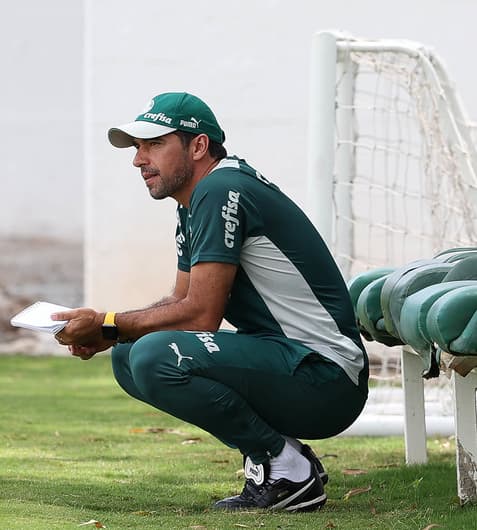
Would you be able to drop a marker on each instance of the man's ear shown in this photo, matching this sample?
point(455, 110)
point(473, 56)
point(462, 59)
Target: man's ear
point(199, 146)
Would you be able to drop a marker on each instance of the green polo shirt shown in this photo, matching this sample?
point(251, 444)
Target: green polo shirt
point(288, 287)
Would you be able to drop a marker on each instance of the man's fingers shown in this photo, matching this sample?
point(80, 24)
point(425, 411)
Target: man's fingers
point(75, 349)
point(65, 315)
point(83, 352)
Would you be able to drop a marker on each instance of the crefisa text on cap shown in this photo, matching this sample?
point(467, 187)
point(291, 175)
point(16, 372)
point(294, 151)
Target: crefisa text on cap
point(158, 117)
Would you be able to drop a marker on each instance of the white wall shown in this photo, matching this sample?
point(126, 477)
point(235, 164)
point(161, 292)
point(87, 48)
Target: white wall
point(41, 98)
point(248, 59)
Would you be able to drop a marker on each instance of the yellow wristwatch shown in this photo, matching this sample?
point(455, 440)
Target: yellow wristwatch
point(109, 329)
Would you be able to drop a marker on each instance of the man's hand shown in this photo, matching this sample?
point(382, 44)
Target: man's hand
point(86, 352)
point(84, 326)
point(82, 334)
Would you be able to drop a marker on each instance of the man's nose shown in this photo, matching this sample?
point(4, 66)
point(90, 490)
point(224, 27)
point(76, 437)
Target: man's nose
point(140, 157)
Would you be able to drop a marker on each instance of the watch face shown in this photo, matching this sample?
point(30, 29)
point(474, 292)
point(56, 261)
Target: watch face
point(109, 332)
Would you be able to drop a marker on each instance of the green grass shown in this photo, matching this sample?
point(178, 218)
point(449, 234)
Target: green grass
point(74, 447)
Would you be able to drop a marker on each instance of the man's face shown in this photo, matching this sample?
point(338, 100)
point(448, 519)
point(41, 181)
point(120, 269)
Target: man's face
point(164, 163)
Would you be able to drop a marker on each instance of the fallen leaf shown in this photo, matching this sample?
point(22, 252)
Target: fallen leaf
point(175, 431)
point(94, 523)
point(432, 526)
point(330, 524)
point(167, 431)
point(155, 430)
point(240, 473)
point(191, 441)
point(356, 491)
point(354, 471)
point(241, 525)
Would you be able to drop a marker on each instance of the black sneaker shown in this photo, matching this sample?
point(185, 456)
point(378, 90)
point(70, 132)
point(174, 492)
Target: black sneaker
point(307, 502)
point(282, 494)
point(309, 454)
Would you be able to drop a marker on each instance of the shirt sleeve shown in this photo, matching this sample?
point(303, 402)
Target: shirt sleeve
point(217, 223)
point(182, 240)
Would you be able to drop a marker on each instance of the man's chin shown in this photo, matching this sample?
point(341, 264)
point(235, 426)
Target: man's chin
point(157, 195)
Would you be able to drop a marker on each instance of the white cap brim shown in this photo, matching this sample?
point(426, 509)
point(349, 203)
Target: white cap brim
point(123, 135)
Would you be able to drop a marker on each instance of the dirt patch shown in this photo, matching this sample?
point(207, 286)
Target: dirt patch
point(34, 269)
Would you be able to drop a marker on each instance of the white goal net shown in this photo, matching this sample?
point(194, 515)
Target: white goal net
point(391, 159)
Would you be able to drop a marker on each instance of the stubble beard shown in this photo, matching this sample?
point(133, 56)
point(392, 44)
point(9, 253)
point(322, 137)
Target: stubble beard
point(170, 185)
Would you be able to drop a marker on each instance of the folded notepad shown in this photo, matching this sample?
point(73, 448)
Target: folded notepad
point(38, 317)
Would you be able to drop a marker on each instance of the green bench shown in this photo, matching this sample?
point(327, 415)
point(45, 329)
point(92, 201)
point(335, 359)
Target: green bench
point(430, 308)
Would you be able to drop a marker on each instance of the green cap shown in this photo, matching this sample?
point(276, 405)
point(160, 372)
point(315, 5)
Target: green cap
point(166, 113)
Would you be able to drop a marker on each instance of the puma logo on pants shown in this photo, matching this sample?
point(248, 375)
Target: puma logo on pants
point(175, 349)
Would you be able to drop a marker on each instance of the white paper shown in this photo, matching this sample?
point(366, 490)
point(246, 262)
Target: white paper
point(38, 317)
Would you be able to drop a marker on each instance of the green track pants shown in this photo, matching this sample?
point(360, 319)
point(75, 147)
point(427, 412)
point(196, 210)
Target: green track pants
point(239, 388)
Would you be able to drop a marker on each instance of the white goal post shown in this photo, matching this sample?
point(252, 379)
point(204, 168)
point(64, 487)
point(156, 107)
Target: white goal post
point(391, 164)
point(391, 168)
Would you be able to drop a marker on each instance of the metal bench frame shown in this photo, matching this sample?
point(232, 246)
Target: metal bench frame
point(465, 417)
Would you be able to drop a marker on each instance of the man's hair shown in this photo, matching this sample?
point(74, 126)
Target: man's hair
point(217, 151)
